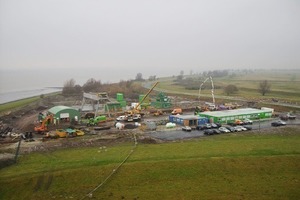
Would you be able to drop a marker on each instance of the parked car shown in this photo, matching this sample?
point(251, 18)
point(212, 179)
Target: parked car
point(208, 132)
point(247, 121)
point(290, 116)
point(278, 123)
point(238, 128)
point(284, 117)
point(203, 126)
point(241, 127)
point(121, 118)
point(216, 131)
point(213, 125)
point(231, 129)
point(248, 127)
point(186, 128)
point(200, 127)
point(136, 117)
point(208, 126)
point(224, 130)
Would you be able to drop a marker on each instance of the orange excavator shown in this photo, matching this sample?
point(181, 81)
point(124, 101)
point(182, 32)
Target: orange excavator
point(44, 125)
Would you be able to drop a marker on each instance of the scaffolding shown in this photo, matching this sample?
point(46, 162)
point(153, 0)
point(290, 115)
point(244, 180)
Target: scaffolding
point(98, 100)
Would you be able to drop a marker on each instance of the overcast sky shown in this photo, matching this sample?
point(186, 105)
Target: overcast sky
point(150, 36)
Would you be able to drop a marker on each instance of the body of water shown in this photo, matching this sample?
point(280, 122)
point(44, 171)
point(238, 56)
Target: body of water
point(6, 97)
point(23, 83)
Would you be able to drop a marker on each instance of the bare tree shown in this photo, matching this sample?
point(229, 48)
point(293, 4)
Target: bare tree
point(92, 86)
point(68, 88)
point(264, 87)
point(230, 89)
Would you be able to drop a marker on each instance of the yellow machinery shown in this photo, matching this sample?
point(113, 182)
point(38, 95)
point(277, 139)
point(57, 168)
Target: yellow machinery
point(61, 133)
point(136, 109)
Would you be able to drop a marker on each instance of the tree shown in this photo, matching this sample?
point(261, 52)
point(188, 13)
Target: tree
point(139, 77)
point(230, 89)
point(152, 78)
point(180, 76)
point(68, 88)
point(92, 86)
point(264, 87)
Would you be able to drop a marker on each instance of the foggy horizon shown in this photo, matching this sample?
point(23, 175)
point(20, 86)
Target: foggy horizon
point(115, 40)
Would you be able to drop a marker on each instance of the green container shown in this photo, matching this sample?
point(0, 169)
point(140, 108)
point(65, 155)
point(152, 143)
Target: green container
point(120, 97)
point(123, 103)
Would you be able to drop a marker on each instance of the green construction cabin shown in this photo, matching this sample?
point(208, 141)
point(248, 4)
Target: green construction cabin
point(226, 116)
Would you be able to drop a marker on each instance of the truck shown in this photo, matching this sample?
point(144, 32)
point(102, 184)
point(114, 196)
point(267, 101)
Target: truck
point(177, 111)
point(96, 120)
point(236, 122)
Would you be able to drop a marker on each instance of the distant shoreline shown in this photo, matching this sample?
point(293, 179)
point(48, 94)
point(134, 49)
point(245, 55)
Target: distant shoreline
point(9, 97)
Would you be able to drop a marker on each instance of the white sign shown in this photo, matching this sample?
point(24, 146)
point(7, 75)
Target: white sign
point(64, 115)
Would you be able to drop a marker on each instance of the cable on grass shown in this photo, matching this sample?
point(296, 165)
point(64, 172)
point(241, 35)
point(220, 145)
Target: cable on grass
point(90, 194)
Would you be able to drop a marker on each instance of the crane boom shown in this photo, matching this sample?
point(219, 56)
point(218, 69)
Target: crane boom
point(135, 108)
point(212, 88)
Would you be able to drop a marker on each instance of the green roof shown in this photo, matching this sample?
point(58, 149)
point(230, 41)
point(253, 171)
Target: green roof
point(242, 111)
point(57, 109)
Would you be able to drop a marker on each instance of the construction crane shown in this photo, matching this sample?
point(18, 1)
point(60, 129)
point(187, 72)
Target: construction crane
point(212, 90)
point(135, 110)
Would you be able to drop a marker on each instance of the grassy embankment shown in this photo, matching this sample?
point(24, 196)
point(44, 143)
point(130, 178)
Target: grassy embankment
point(10, 106)
point(232, 166)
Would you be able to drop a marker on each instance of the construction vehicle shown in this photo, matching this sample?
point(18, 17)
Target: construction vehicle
point(62, 133)
point(44, 125)
point(96, 120)
point(200, 109)
point(210, 106)
point(136, 109)
point(177, 111)
point(236, 122)
point(157, 112)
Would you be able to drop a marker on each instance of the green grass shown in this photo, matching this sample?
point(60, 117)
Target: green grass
point(23, 102)
point(284, 86)
point(17, 104)
point(232, 166)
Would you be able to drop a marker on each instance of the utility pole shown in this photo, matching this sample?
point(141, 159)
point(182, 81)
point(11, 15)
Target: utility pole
point(18, 149)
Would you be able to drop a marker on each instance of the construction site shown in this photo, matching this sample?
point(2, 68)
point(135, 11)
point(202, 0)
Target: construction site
point(97, 117)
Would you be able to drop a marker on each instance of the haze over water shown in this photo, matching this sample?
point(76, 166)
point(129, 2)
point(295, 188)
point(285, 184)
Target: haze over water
point(18, 84)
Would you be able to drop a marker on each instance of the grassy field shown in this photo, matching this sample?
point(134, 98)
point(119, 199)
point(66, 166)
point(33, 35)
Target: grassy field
point(17, 104)
point(11, 106)
point(284, 85)
point(231, 166)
